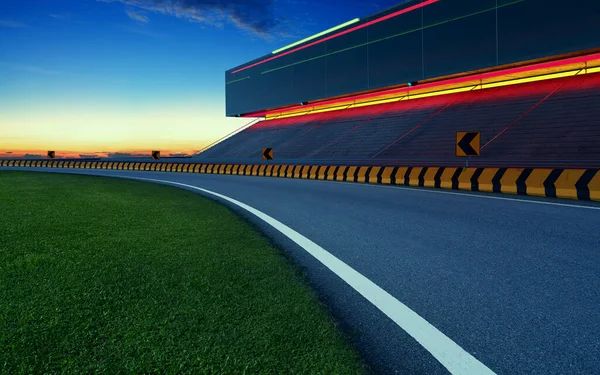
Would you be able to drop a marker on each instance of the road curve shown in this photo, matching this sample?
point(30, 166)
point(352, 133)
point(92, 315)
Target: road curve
point(513, 280)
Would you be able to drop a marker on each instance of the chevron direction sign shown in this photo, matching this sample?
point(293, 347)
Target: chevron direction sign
point(51, 154)
point(155, 155)
point(267, 154)
point(468, 143)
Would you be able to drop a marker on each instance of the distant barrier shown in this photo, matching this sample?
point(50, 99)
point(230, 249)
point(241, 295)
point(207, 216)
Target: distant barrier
point(582, 184)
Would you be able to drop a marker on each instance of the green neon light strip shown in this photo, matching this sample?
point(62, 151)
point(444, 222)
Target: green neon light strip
point(237, 80)
point(392, 36)
point(317, 35)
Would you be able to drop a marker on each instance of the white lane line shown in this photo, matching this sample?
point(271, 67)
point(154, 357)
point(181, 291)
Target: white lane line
point(425, 190)
point(415, 189)
point(446, 351)
point(441, 191)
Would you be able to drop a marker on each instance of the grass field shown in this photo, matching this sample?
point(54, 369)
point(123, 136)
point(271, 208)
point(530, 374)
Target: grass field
point(100, 275)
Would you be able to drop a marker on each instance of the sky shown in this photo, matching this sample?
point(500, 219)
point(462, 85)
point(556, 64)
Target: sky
point(121, 77)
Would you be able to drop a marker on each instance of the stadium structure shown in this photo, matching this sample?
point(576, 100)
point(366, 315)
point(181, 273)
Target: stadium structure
point(395, 87)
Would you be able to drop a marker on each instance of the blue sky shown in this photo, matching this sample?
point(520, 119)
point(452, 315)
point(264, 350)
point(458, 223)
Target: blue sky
point(137, 74)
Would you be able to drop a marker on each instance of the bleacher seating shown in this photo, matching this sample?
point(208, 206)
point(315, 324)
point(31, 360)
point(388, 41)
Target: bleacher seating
point(554, 120)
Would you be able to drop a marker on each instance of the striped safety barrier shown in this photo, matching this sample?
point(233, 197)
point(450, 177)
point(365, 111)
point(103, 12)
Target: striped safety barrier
point(582, 184)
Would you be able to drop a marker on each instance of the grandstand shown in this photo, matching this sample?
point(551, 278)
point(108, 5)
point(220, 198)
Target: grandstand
point(533, 107)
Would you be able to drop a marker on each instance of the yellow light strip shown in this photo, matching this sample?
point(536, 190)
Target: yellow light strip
point(310, 110)
point(315, 111)
point(381, 101)
point(470, 86)
point(340, 106)
point(533, 79)
point(593, 70)
point(444, 92)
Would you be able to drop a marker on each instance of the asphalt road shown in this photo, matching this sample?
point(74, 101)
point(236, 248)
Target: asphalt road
point(514, 283)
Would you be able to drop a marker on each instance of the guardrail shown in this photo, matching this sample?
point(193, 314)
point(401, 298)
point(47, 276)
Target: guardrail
point(582, 184)
point(420, 162)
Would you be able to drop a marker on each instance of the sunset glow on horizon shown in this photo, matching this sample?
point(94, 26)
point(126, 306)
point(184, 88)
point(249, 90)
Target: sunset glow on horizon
point(117, 76)
point(182, 128)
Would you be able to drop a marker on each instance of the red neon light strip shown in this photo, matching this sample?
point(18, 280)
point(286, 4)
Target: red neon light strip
point(419, 125)
point(499, 73)
point(391, 15)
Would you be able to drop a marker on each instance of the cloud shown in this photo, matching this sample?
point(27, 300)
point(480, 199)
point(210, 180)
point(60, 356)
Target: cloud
point(33, 156)
point(179, 155)
point(10, 23)
point(255, 16)
point(137, 16)
point(142, 30)
point(88, 156)
point(124, 155)
point(60, 16)
point(119, 154)
point(9, 152)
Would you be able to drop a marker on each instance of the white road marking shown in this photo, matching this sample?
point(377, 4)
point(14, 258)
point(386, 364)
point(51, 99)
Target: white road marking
point(441, 191)
point(446, 351)
point(413, 189)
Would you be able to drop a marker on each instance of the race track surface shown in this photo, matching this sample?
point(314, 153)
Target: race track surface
point(515, 283)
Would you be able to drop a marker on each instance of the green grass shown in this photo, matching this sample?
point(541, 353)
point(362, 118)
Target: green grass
point(108, 276)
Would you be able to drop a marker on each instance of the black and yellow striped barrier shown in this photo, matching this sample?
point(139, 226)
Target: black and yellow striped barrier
point(582, 184)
